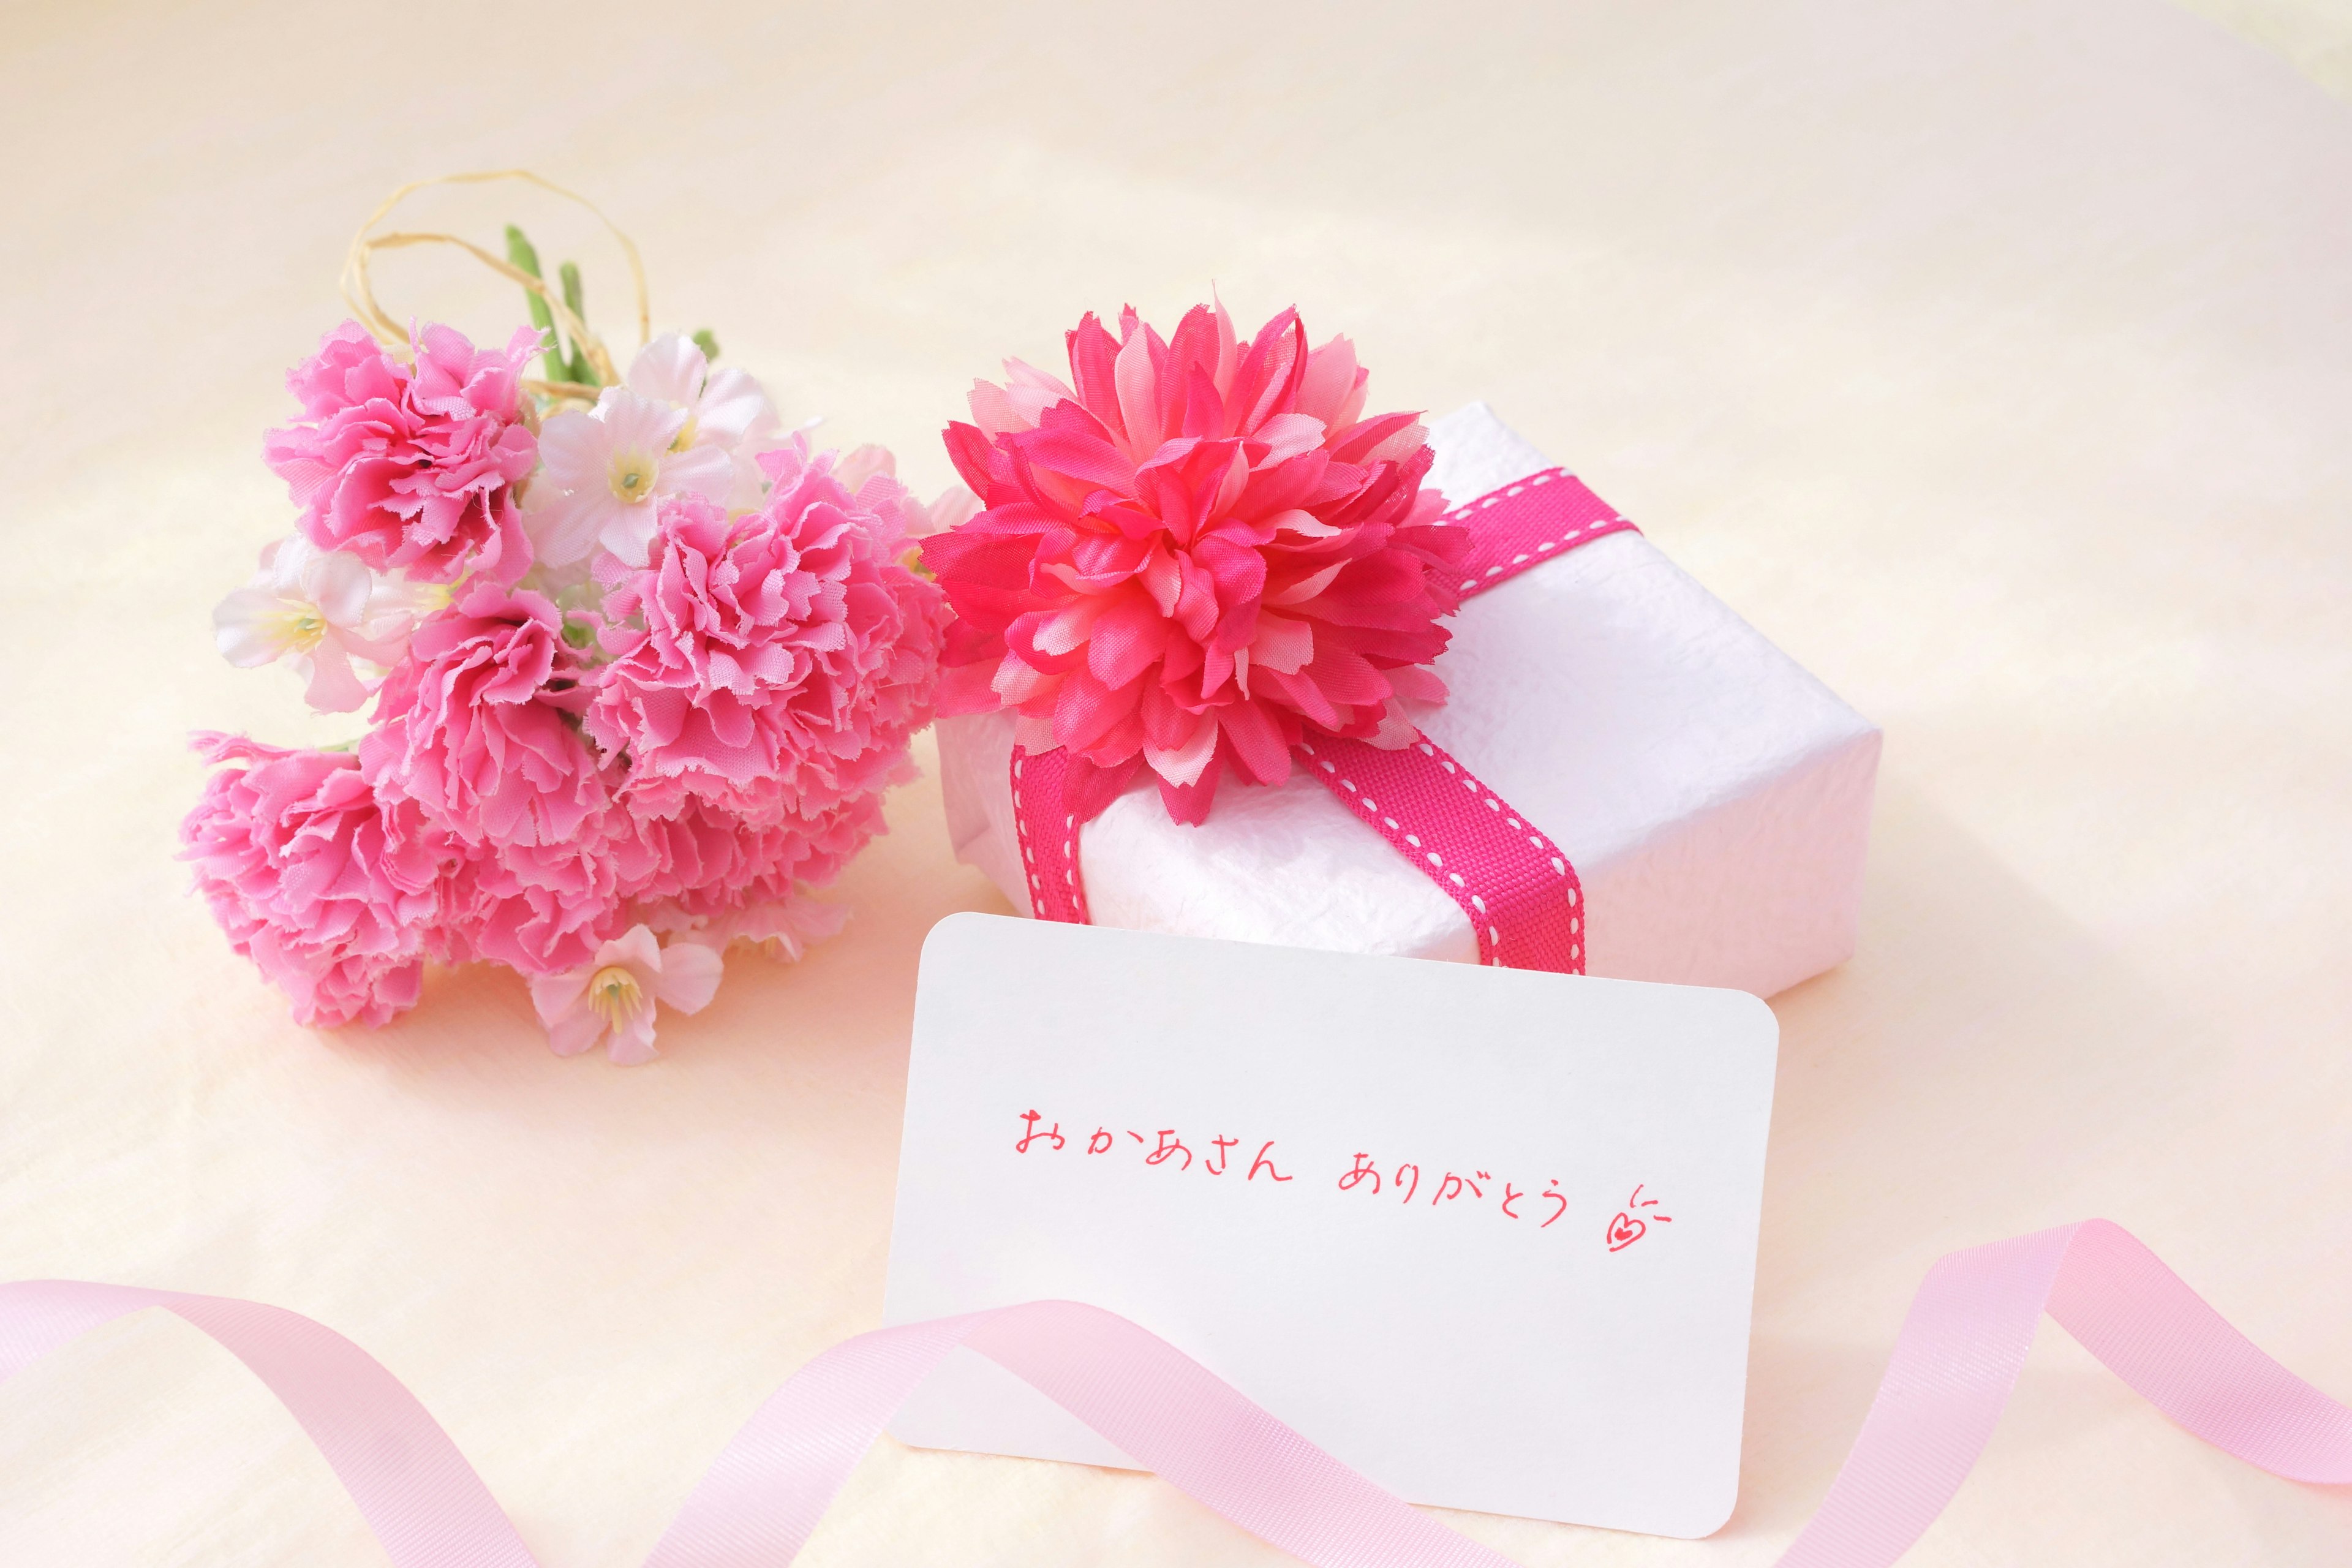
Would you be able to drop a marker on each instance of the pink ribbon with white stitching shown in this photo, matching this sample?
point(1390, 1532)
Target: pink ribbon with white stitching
point(1515, 887)
point(1955, 1363)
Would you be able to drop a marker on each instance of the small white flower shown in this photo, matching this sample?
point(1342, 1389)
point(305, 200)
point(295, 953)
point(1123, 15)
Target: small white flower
point(606, 469)
point(321, 608)
point(724, 408)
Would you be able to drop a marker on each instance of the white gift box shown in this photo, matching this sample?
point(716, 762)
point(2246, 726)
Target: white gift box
point(1714, 796)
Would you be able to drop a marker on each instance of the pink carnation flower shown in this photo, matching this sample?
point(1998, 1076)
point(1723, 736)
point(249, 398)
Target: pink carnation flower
point(537, 908)
point(1198, 555)
point(474, 725)
point(703, 867)
point(412, 468)
point(772, 662)
point(330, 894)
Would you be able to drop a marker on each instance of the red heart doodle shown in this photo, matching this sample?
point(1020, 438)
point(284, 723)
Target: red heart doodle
point(1624, 1231)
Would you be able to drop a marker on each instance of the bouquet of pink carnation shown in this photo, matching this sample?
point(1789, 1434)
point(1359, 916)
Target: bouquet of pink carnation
point(641, 667)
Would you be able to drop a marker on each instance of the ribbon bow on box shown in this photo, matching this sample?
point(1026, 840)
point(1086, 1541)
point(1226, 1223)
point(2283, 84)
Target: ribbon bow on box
point(1514, 885)
point(1199, 559)
point(1202, 559)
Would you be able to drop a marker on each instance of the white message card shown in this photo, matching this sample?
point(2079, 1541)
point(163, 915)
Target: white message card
point(1487, 1235)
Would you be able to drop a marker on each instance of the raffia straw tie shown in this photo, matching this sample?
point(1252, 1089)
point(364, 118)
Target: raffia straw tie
point(360, 294)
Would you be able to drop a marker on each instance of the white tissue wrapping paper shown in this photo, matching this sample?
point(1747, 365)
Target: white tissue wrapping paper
point(1713, 797)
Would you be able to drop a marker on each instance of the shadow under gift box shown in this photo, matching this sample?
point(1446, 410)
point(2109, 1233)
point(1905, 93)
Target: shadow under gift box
point(1713, 797)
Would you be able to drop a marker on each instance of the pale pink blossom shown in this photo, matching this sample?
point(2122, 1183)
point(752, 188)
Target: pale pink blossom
point(856, 466)
point(859, 464)
point(1195, 556)
point(332, 895)
point(607, 472)
point(320, 609)
point(783, 930)
point(609, 1000)
point(724, 408)
point(410, 468)
point(952, 508)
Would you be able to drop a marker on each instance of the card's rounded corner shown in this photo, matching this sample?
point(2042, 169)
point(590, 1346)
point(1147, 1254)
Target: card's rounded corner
point(1759, 1009)
point(951, 926)
point(1728, 1506)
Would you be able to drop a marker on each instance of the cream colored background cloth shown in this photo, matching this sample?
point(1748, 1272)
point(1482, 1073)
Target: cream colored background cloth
point(1994, 358)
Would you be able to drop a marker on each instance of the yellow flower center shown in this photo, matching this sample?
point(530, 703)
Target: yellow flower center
point(633, 476)
point(686, 434)
point(613, 995)
point(301, 627)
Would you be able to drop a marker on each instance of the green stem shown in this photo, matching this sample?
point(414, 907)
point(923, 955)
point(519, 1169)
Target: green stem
point(579, 371)
point(519, 252)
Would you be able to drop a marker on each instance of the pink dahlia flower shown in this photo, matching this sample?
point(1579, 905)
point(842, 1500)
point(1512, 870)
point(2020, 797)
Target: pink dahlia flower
point(475, 725)
point(775, 662)
point(1198, 555)
point(331, 894)
point(412, 468)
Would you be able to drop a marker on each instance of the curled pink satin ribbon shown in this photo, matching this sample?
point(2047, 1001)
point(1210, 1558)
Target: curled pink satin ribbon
point(1954, 1364)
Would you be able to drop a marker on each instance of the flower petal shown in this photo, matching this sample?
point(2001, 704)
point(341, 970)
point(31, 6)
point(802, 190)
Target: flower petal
point(670, 369)
point(340, 584)
point(564, 527)
point(628, 530)
point(557, 997)
point(689, 976)
point(636, 947)
point(575, 1032)
point(335, 687)
point(700, 471)
point(1182, 766)
point(634, 424)
point(733, 407)
point(632, 1040)
point(249, 628)
point(574, 447)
